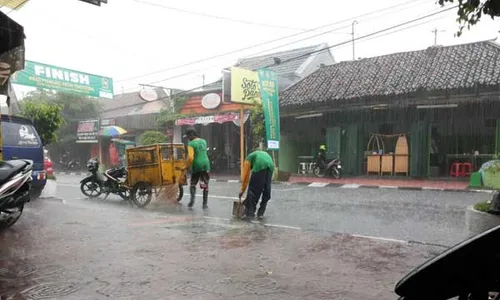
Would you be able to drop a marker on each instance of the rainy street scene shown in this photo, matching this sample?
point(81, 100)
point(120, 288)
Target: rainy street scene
point(153, 149)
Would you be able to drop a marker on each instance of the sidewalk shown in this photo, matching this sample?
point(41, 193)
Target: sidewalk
point(374, 182)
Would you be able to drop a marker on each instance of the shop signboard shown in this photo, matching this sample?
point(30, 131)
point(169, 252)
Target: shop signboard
point(205, 120)
point(63, 80)
point(211, 101)
point(87, 131)
point(269, 94)
point(245, 87)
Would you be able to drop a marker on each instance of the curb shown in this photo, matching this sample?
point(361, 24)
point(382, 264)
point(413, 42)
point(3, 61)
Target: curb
point(336, 185)
point(360, 186)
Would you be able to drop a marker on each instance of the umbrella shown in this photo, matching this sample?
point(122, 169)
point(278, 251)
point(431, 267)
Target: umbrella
point(112, 131)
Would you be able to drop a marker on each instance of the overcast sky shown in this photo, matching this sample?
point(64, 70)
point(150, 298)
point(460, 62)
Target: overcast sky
point(128, 38)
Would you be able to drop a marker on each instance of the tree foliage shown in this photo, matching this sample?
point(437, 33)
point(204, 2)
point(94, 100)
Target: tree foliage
point(152, 137)
point(471, 11)
point(258, 124)
point(167, 116)
point(73, 108)
point(46, 116)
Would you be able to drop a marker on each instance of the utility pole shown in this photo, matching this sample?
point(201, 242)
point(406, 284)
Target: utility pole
point(352, 33)
point(435, 31)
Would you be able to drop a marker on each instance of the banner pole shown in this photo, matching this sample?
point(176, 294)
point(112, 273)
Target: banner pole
point(242, 140)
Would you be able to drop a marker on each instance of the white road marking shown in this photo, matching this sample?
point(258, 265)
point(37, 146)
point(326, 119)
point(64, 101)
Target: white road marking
point(220, 197)
point(432, 189)
point(387, 187)
point(379, 238)
point(256, 222)
point(283, 226)
point(233, 181)
point(318, 184)
point(351, 186)
point(288, 190)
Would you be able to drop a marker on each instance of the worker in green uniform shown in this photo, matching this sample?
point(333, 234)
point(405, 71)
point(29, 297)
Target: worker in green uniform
point(261, 165)
point(198, 160)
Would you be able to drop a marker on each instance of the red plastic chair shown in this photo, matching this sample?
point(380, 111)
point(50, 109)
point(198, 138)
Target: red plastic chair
point(456, 169)
point(466, 169)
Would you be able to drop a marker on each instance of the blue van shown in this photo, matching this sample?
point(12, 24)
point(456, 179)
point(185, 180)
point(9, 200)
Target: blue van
point(20, 140)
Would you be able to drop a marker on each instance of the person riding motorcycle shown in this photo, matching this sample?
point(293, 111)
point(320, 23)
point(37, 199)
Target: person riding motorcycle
point(321, 156)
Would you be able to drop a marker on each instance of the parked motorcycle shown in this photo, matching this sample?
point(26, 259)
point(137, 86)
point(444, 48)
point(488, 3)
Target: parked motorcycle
point(15, 185)
point(69, 164)
point(320, 169)
point(109, 182)
point(468, 270)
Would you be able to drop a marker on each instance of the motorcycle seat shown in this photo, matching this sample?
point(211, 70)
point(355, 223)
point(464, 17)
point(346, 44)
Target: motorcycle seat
point(10, 167)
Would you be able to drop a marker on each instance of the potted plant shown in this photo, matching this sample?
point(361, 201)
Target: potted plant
point(491, 174)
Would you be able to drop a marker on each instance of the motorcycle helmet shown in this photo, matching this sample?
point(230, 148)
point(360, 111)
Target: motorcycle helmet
point(322, 147)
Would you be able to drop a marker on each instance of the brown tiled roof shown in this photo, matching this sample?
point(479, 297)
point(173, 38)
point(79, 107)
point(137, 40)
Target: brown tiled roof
point(434, 69)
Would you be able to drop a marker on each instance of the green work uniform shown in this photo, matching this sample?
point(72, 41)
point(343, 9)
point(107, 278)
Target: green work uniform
point(201, 163)
point(260, 160)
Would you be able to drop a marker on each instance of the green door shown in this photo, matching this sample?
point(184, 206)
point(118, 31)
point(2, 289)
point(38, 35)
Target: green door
point(352, 150)
point(333, 142)
point(497, 138)
point(420, 139)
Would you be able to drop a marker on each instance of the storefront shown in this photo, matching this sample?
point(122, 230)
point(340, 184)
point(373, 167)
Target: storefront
point(218, 123)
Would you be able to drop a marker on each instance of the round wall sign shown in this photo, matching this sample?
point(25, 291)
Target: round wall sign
point(148, 94)
point(211, 101)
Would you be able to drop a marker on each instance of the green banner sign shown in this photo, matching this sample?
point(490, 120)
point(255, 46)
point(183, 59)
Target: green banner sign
point(269, 95)
point(63, 80)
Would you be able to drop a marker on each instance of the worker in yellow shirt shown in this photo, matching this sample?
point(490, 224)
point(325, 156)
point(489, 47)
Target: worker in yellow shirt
point(261, 165)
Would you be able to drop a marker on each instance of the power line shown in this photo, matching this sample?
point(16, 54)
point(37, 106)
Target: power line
point(294, 42)
point(218, 17)
point(396, 31)
point(265, 43)
point(366, 35)
point(317, 51)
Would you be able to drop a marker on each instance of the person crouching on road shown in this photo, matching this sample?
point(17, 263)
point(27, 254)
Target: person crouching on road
point(198, 160)
point(261, 164)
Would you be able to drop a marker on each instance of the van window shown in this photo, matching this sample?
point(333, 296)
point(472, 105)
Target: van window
point(19, 135)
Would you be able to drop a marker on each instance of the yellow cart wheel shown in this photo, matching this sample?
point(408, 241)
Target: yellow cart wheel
point(142, 193)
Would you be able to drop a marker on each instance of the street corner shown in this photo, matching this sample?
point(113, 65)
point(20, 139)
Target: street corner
point(50, 189)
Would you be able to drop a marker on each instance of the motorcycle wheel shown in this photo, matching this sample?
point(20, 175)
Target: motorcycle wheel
point(142, 193)
point(318, 172)
point(9, 217)
point(90, 188)
point(336, 175)
point(180, 194)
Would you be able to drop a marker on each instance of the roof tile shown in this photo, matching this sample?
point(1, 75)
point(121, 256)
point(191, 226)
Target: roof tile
point(432, 69)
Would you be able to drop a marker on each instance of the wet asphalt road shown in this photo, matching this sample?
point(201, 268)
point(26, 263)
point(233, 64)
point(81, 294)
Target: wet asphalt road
point(70, 247)
point(422, 216)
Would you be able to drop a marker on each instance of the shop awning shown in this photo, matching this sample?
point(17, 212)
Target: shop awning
point(11, 34)
point(11, 50)
point(205, 120)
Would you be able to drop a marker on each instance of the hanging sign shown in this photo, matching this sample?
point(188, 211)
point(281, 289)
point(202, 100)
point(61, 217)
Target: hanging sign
point(269, 94)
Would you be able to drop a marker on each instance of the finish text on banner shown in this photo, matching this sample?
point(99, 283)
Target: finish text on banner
point(270, 102)
point(63, 80)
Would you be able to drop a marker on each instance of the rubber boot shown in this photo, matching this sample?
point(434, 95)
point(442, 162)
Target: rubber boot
point(192, 190)
point(205, 199)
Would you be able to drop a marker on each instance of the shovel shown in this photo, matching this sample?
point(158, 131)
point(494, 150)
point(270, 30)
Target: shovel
point(238, 209)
